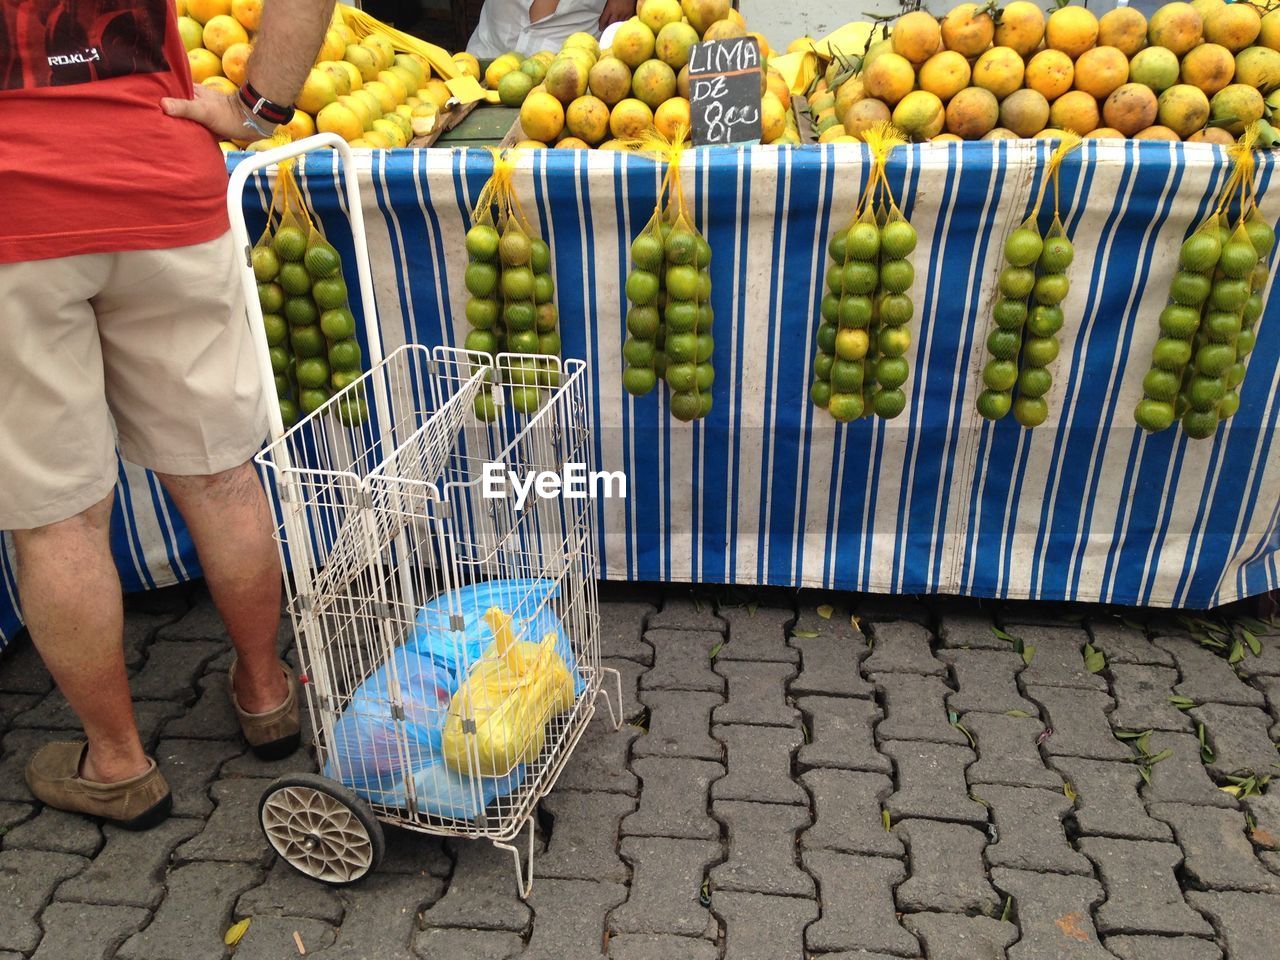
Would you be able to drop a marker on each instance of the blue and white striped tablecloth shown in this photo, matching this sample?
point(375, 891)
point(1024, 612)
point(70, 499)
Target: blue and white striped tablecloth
point(768, 490)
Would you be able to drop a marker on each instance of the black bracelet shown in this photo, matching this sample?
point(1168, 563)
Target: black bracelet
point(260, 106)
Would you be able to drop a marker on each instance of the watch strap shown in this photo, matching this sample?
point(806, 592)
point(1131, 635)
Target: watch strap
point(260, 106)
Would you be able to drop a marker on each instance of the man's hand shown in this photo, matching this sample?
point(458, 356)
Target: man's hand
point(220, 112)
point(616, 11)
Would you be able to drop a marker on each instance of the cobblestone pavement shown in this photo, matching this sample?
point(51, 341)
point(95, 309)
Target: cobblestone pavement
point(890, 780)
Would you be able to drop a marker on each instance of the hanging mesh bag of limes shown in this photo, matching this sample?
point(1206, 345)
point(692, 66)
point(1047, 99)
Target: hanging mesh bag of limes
point(511, 294)
point(860, 364)
point(271, 298)
point(1028, 314)
point(670, 318)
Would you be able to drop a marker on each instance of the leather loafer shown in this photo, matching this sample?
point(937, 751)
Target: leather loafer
point(138, 803)
point(275, 734)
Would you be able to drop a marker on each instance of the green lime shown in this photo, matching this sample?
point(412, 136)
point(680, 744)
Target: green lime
point(1179, 322)
point(896, 276)
point(544, 288)
point(703, 254)
point(338, 324)
point(1016, 283)
point(1003, 344)
point(301, 311)
point(289, 412)
point(1039, 351)
point(845, 407)
point(345, 355)
point(321, 260)
point(642, 287)
point(827, 338)
point(547, 317)
point(270, 297)
point(846, 376)
point(294, 279)
point(1056, 255)
point(681, 347)
point(682, 282)
point(313, 372)
point(897, 239)
point(820, 393)
point(521, 315)
point(1203, 393)
point(835, 278)
point(481, 341)
point(1000, 374)
point(1260, 233)
point(830, 309)
point(1245, 343)
point(291, 244)
point(1238, 259)
point(860, 277)
point(1189, 288)
point(855, 312)
point(1044, 320)
point(704, 286)
point(517, 283)
point(276, 328)
point(1030, 411)
point(1261, 274)
point(646, 252)
point(266, 264)
point(330, 293)
point(1200, 251)
point(525, 341)
point(341, 379)
point(706, 376)
point(1235, 376)
point(1219, 326)
point(993, 404)
point(889, 403)
point(279, 360)
point(1052, 288)
point(706, 346)
point(838, 246)
point(896, 309)
point(539, 255)
point(1161, 385)
point(681, 247)
point(682, 377)
point(1010, 314)
point(486, 410)
point(638, 353)
point(549, 343)
point(1214, 359)
point(284, 386)
point(515, 86)
point(1229, 405)
point(526, 399)
point(681, 316)
point(892, 371)
point(893, 341)
point(534, 68)
point(514, 249)
point(1228, 294)
point(482, 242)
point(638, 381)
point(1200, 424)
point(1034, 382)
point(482, 312)
point(864, 241)
point(312, 400)
point(1153, 415)
point(1171, 354)
point(822, 364)
point(481, 279)
point(685, 407)
point(1023, 247)
point(706, 317)
point(643, 322)
point(352, 411)
point(307, 341)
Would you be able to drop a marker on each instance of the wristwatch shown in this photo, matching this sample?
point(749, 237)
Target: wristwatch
point(258, 108)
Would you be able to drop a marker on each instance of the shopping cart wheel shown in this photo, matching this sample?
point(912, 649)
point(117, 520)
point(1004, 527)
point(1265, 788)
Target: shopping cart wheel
point(321, 828)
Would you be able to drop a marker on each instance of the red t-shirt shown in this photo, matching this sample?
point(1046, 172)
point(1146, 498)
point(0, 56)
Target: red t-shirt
point(89, 163)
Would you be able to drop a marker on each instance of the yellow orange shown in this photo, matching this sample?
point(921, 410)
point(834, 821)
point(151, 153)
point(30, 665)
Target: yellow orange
point(777, 85)
point(1235, 26)
point(204, 64)
point(353, 74)
point(1257, 67)
point(1106, 133)
point(572, 143)
point(865, 114)
point(675, 112)
point(341, 119)
point(917, 36)
point(1021, 27)
point(999, 70)
point(1076, 111)
point(725, 29)
point(773, 118)
point(765, 50)
point(358, 106)
point(1050, 73)
point(235, 62)
point(248, 12)
point(1130, 108)
point(968, 29)
point(384, 95)
point(1073, 30)
point(206, 10)
point(1184, 109)
point(222, 32)
point(972, 113)
point(1156, 132)
point(587, 118)
point(363, 59)
point(221, 84)
point(468, 64)
point(318, 91)
point(191, 32)
point(920, 114)
point(301, 126)
point(1269, 36)
point(833, 134)
point(1212, 135)
point(944, 74)
point(1177, 26)
point(1101, 70)
point(542, 117)
point(1025, 112)
point(948, 138)
point(1124, 28)
point(435, 91)
point(341, 78)
point(630, 119)
point(1207, 8)
point(382, 47)
point(333, 48)
point(889, 78)
point(1209, 67)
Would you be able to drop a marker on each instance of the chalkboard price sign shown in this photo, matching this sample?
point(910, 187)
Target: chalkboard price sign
point(724, 91)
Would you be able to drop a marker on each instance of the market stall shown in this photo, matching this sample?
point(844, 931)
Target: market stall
point(768, 489)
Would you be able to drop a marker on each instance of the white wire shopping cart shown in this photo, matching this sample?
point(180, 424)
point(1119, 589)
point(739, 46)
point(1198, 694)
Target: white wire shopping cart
point(448, 641)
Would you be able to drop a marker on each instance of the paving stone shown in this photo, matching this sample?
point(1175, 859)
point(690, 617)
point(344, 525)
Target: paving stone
point(847, 813)
point(27, 881)
point(902, 647)
point(630, 672)
point(13, 814)
point(1265, 811)
point(22, 670)
point(1037, 613)
point(762, 849)
point(622, 628)
point(1181, 776)
point(1124, 644)
point(382, 914)
point(1059, 659)
point(1219, 855)
point(987, 680)
point(1054, 915)
point(1078, 719)
point(1270, 686)
point(211, 717)
point(287, 893)
point(1142, 699)
point(172, 668)
point(1007, 752)
point(129, 870)
point(1162, 948)
point(682, 661)
point(660, 946)
point(1266, 664)
point(54, 713)
point(83, 931)
point(666, 882)
point(679, 725)
point(570, 918)
point(946, 871)
point(1029, 830)
point(842, 734)
point(673, 799)
point(19, 745)
point(1207, 677)
point(683, 613)
point(758, 634)
point(1239, 737)
point(438, 942)
point(758, 764)
point(599, 761)
point(961, 938)
point(231, 833)
point(194, 915)
point(915, 708)
point(417, 853)
point(270, 938)
point(829, 661)
point(856, 897)
point(757, 694)
point(12, 704)
point(584, 842)
point(201, 622)
point(1142, 890)
point(58, 831)
point(931, 783)
point(969, 632)
point(1107, 803)
point(189, 766)
point(873, 607)
point(482, 893)
point(1245, 922)
point(759, 927)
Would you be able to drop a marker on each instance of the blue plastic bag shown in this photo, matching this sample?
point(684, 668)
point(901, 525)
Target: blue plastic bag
point(441, 792)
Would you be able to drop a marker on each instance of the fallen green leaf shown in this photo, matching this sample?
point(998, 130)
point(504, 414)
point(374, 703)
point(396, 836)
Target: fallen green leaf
point(1016, 713)
point(825, 611)
point(1094, 659)
point(1008, 908)
point(236, 932)
point(752, 607)
point(715, 651)
point(1182, 703)
point(1132, 625)
point(806, 634)
point(1164, 754)
point(1254, 646)
point(1069, 791)
point(884, 818)
point(1028, 651)
point(1237, 652)
point(1008, 637)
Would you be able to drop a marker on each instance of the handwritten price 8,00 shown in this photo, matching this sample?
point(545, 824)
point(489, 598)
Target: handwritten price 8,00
point(721, 121)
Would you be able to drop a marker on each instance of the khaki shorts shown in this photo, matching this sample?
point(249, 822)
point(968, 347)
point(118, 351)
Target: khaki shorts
point(148, 349)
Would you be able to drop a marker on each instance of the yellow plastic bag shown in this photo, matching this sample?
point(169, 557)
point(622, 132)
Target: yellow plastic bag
point(504, 704)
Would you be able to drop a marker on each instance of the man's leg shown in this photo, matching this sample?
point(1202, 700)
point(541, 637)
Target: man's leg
point(70, 594)
point(231, 525)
